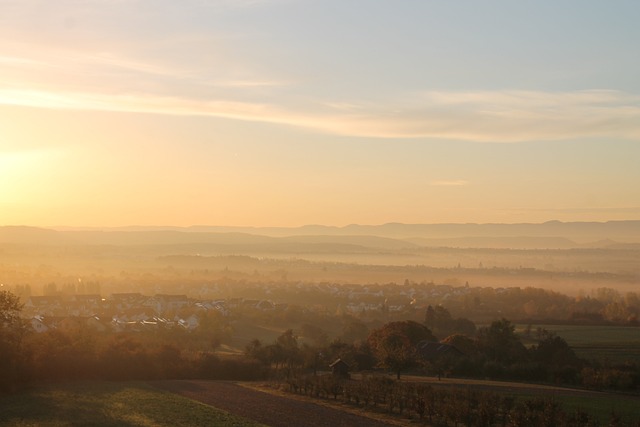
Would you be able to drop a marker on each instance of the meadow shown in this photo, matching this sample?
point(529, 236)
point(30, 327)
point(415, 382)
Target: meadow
point(614, 344)
point(130, 404)
point(105, 404)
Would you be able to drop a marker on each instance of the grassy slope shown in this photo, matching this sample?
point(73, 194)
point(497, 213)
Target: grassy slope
point(109, 404)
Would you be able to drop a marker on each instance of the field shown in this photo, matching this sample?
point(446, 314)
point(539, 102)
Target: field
point(140, 404)
point(166, 403)
point(103, 404)
point(274, 408)
point(612, 343)
point(598, 404)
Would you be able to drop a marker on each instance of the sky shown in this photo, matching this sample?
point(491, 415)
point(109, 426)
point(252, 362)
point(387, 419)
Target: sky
point(293, 112)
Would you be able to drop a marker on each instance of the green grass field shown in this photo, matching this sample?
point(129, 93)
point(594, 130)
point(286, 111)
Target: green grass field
point(601, 407)
point(613, 343)
point(625, 407)
point(136, 404)
point(104, 404)
point(597, 404)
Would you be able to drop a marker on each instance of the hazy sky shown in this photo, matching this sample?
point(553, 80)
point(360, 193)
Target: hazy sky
point(291, 112)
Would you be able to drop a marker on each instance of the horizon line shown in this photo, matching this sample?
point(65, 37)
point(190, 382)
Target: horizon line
point(195, 226)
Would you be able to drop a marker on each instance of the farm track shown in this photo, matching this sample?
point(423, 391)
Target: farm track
point(266, 408)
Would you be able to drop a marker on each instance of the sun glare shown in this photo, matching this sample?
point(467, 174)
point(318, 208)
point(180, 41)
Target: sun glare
point(18, 172)
point(10, 165)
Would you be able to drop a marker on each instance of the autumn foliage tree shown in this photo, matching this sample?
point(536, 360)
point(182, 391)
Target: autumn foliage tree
point(11, 334)
point(395, 344)
point(439, 320)
point(500, 343)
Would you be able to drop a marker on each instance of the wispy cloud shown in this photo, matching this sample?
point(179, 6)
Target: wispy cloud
point(246, 3)
point(175, 69)
point(485, 117)
point(205, 58)
point(141, 103)
point(449, 183)
point(8, 60)
point(506, 116)
point(251, 83)
point(125, 80)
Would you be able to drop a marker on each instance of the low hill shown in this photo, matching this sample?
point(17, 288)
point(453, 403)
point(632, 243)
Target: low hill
point(386, 237)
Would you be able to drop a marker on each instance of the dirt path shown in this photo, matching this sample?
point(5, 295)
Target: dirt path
point(266, 408)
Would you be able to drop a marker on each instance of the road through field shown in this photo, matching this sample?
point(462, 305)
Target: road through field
point(272, 410)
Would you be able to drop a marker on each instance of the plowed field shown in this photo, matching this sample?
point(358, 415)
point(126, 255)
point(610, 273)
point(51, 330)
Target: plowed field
point(272, 410)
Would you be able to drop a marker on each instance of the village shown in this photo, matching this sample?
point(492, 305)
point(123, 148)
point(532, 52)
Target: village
point(143, 309)
point(137, 312)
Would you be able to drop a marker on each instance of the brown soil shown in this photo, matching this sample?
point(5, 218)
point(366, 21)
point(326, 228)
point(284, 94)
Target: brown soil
point(266, 408)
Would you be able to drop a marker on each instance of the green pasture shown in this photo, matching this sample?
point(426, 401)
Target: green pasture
point(613, 343)
point(104, 404)
point(603, 407)
point(600, 406)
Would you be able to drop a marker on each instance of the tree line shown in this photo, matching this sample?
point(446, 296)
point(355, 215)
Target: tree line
point(494, 351)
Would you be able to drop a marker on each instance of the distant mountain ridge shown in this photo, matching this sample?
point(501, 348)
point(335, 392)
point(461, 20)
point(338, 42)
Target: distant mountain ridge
point(600, 230)
point(392, 236)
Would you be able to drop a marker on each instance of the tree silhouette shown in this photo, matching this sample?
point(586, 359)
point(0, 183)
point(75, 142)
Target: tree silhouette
point(395, 344)
point(11, 334)
point(500, 343)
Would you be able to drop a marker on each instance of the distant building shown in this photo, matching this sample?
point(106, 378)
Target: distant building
point(265, 305)
point(434, 350)
point(122, 301)
point(48, 305)
point(38, 324)
point(163, 303)
point(189, 323)
point(340, 369)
